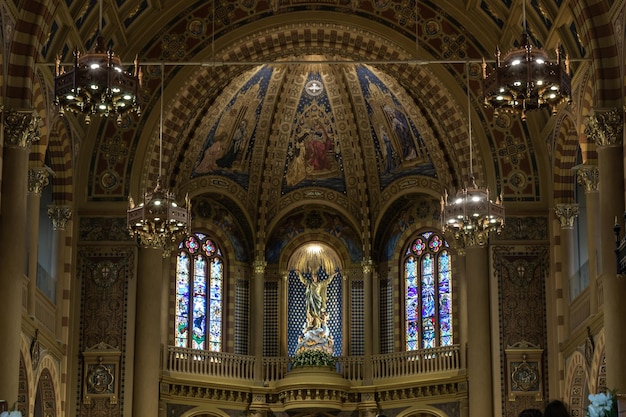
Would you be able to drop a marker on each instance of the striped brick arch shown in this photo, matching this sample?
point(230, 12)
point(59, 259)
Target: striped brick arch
point(576, 384)
point(60, 153)
point(596, 29)
point(566, 149)
point(29, 36)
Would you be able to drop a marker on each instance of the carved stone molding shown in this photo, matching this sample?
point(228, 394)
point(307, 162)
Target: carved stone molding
point(605, 127)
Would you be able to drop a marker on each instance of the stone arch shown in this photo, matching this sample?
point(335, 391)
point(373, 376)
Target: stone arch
point(576, 388)
point(597, 370)
point(564, 159)
point(597, 30)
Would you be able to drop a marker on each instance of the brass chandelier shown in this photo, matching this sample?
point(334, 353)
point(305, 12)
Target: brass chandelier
point(97, 85)
point(525, 79)
point(471, 215)
point(158, 221)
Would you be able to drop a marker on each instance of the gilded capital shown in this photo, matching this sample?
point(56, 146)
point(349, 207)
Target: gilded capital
point(367, 265)
point(38, 178)
point(21, 128)
point(566, 214)
point(60, 215)
point(588, 176)
point(605, 127)
point(259, 266)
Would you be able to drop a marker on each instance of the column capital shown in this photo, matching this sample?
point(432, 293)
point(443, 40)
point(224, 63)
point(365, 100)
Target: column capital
point(605, 127)
point(21, 128)
point(368, 266)
point(259, 266)
point(38, 178)
point(60, 215)
point(566, 214)
point(588, 176)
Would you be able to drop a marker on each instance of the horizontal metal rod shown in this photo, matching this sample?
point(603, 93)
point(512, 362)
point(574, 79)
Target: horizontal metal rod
point(301, 62)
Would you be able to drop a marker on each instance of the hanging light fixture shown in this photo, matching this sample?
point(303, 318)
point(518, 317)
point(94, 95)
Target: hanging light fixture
point(471, 214)
point(158, 221)
point(525, 79)
point(96, 85)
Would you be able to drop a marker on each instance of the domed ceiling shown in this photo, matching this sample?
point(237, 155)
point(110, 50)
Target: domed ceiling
point(356, 109)
point(324, 118)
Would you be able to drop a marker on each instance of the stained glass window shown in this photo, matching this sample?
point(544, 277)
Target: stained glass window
point(428, 293)
point(199, 294)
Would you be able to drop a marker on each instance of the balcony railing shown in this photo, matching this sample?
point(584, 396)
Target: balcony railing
point(351, 368)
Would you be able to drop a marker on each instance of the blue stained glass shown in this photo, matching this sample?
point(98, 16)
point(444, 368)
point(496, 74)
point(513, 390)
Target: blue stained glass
point(182, 300)
point(418, 247)
point(428, 296)
point(192, 244)
point(208, 247)
point(199, 300)
point(215, 309)
point(199, 304)
point(435, 244)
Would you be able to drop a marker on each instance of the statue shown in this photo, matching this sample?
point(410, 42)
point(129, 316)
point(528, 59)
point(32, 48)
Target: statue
point(315, 333)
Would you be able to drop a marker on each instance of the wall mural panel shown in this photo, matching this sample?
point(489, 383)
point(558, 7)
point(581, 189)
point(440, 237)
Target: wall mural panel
point(314, 152)
point(399, 145)
point(228, 147)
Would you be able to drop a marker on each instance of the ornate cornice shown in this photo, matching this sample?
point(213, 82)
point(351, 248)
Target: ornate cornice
point(21, 128)
point(605, 127)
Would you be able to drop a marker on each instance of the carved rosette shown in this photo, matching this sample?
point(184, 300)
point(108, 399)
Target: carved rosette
point(566, 214)
point(38, 178)
point(59, 215)
point(605, 127)
point(21, 128)
point(588, 176)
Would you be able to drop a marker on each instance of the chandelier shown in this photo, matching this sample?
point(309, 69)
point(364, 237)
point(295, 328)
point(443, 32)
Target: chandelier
point(471, 214)
point(525, 79)
point(158, 221)
point(97, 85)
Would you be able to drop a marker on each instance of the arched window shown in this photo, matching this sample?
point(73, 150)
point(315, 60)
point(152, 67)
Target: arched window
point(199, 294)
point(428, 294)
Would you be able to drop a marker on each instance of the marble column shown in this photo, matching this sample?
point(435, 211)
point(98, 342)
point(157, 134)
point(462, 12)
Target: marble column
point(368, 295)
point(258, 295)
point(472, 245)
point(38, 178)
point(605, 128)
point(479, 354)
point(588, 176)
point(147, 366)
point(566, 213)
point(59, 215)
point(20, 129)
